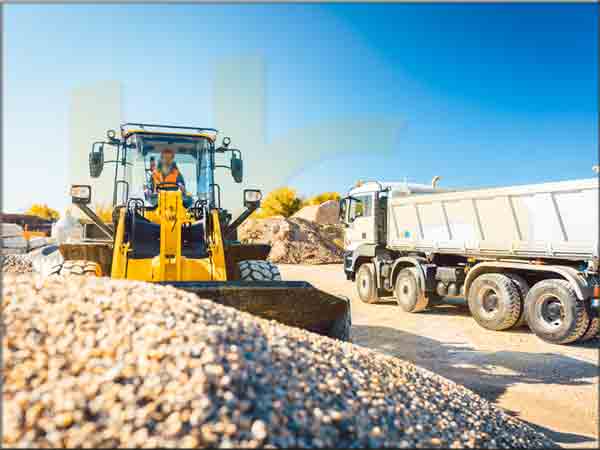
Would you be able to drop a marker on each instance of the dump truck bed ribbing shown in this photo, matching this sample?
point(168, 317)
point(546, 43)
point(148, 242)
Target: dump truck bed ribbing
point(549, 220)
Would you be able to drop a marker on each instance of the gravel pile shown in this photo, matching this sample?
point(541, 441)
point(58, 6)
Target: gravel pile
point(16, 263)
point(94, 362)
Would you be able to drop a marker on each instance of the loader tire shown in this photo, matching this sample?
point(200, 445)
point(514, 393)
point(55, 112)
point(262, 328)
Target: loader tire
point(366, 285)
point(523, 288)
point(257, 270)
point(592, 331)
point(554, 313)
point(494, 301)
point(80, 267)
point(408, 293)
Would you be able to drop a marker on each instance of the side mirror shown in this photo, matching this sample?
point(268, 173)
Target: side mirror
point(237, 167)
point(342, 211)
point(96, 161)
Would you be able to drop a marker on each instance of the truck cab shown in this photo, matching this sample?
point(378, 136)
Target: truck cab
point(364, 213)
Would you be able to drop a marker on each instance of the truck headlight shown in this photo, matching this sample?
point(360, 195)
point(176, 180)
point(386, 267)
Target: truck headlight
point(252, 198)
point(81, 194)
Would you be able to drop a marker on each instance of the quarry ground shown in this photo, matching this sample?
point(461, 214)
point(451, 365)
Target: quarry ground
point(552, 387)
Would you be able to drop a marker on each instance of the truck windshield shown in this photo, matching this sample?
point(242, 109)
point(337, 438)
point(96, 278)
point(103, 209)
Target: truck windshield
point(191, 156)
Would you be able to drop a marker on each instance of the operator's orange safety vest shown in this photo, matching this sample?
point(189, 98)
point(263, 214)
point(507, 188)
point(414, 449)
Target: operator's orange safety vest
point(172, 176)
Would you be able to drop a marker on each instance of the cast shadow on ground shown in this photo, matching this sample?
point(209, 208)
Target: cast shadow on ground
point(459, 307)
point(489, 374)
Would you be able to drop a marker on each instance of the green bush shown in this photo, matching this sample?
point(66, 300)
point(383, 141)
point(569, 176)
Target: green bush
point(322, 198)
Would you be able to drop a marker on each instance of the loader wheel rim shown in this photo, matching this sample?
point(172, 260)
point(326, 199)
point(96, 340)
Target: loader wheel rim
point(552, 311)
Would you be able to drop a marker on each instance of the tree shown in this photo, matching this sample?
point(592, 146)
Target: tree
point(280, 202)
point(322, 198)
point(43, 211)
point(105, 212)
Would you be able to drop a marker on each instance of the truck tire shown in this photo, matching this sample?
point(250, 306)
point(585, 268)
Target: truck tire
point(366, 285)
point(257, 270)
point(554, 313)
point(592, 331)
point(494, 301)
point(81, 267)
point(523, 288)
point(407, 292)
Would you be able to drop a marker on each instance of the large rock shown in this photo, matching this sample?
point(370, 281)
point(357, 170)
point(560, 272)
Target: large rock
point(295, 240)
point(327, 213)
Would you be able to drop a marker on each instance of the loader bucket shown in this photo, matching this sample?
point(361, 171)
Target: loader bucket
point(293, 303)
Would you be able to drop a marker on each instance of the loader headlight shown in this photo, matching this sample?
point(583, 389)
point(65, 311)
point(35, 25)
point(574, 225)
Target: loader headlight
point(81, 193)
point(111, 135)
point(252, 198)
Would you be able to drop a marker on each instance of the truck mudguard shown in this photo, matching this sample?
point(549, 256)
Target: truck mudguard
point(350, 258)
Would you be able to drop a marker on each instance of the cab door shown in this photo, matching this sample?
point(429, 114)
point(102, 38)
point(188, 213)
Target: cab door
point(360, 221)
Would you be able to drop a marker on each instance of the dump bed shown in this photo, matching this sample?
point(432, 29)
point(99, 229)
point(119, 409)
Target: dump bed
point(554, 220)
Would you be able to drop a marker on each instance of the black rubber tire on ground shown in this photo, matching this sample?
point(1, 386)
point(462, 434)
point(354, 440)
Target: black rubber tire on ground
point(592, 331)
point(407, 291)
point(554, 313)
point(366, 285)
point(523, 288)
point(494, 301)
point(258, 270)
point(80, 267)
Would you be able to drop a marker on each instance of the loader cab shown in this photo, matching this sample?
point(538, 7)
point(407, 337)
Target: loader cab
point(192, 160)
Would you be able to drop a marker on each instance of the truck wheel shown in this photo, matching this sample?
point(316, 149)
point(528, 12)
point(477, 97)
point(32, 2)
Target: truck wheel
point(494, 301)
point(592, 331)
point(407, 292)
point(523, 288)
point(366, 286)
point(81, 267)
point(256, 270)
point(553, 312)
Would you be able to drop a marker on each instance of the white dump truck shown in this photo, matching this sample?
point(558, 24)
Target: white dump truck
point(518, 254)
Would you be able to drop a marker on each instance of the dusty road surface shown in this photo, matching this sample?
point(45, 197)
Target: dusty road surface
point(553, 387)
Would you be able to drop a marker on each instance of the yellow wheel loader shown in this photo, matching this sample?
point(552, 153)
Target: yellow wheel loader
point(172, 230)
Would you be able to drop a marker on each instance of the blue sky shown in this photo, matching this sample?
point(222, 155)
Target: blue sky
point(487, 94)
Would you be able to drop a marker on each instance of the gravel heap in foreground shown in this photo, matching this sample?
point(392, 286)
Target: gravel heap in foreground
point(16, 263)
point(89, 361)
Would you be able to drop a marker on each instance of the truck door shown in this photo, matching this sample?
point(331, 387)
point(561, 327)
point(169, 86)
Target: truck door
point(360, 222)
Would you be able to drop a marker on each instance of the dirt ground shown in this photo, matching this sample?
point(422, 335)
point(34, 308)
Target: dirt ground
point(552, 387)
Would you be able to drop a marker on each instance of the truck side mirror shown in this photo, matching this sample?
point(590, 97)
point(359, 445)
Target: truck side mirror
point(237, 167)
point(96, 161)
point(342, 212)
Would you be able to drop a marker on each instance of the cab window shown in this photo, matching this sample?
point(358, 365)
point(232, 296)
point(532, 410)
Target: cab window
point(361, 206)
